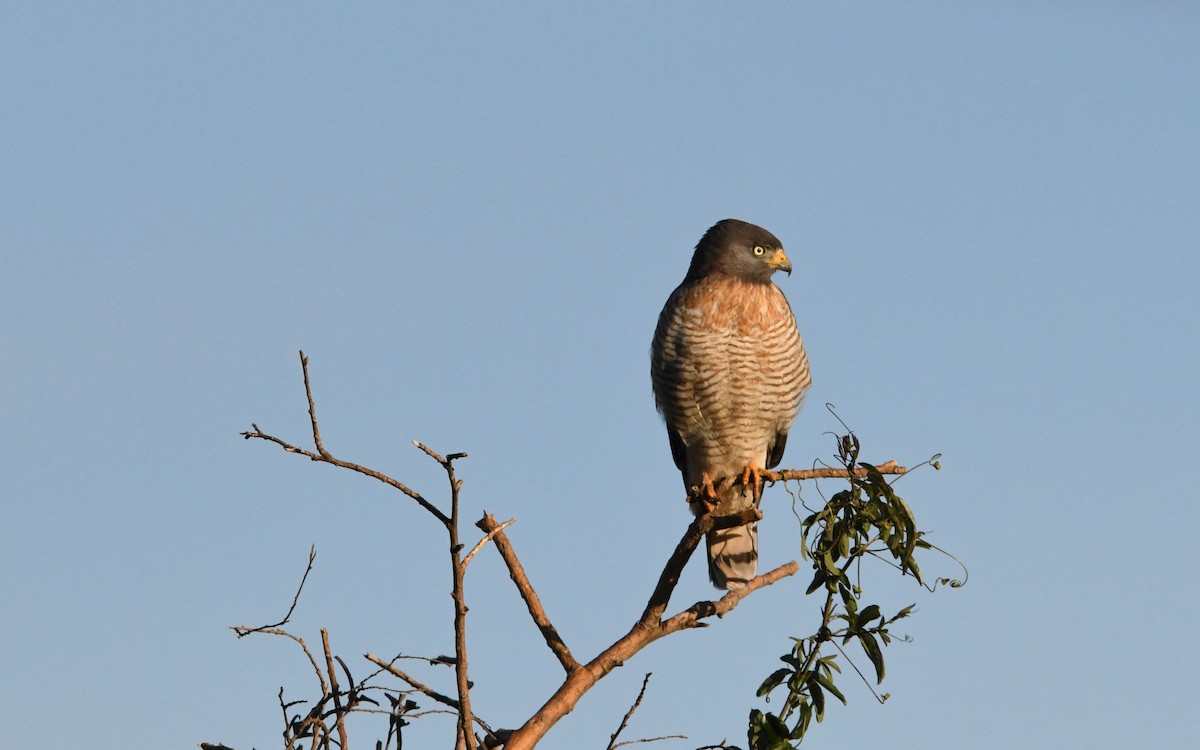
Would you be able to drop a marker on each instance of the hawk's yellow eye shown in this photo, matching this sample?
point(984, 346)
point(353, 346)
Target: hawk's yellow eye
point(759, 250)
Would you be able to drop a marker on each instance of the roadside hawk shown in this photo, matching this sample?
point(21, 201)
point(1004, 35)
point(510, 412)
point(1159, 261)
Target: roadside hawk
point(729, 373)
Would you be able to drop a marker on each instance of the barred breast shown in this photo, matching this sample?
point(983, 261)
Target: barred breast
point(729, 373)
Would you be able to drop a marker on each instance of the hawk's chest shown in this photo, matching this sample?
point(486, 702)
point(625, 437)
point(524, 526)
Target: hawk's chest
point(733, 310)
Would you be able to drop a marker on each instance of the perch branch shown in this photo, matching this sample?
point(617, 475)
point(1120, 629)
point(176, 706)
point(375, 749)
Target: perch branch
point(669, 577)
point(786, 475)
point(517, 572)
point(648, 629)
point(799, 475)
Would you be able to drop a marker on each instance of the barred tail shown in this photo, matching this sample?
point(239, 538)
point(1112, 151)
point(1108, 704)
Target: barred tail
point(732, 556)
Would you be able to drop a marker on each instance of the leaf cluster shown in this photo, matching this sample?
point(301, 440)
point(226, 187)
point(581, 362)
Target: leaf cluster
point(867, 519)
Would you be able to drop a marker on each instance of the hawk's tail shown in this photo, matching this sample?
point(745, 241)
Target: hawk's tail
point(732, 556)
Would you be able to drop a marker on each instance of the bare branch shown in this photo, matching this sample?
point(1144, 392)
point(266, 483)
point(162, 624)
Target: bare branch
point(651, 739)
point(424, 689)
point(786, 475)
point(692, 616)
point(486, 538)
point(669, 577)
point(612, 741)
point(534, 604)
point(642, 634)
point(304, 646)
point(420, 687)
point(323, 456)
point(339, 714)
point(466, 734)
point(312, 408)
point(243, 631)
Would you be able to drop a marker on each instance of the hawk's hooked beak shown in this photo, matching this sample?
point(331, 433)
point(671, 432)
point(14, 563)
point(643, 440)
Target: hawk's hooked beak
point(779, 261)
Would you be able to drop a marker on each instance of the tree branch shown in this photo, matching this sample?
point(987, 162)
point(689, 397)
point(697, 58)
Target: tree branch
point(323, 456)
point(648, 629)
point(799, 475)
point(669, 577)
point(420, 687)
point(517, 572)
point(785, 475)
point(339, 715)
point(458, 573)
point(243, 631)
point(612, 741)
point(487, 538)
point(424, 689)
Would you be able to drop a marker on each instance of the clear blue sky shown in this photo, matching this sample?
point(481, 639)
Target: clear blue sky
point(469, 217)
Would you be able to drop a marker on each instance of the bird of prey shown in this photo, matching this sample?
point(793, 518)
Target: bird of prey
point(729, 372)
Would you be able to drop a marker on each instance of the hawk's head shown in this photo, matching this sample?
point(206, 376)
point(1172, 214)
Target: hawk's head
point(739, 249)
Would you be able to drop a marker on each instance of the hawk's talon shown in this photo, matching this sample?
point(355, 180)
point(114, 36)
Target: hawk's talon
point(706, 493)
point(752, 476)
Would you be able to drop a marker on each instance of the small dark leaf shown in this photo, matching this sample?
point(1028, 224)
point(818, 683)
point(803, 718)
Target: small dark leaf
point(868, 614)
point(775, 680)
point(818, 698)
point(848, 599)
point(827, 683)
point(871, 647)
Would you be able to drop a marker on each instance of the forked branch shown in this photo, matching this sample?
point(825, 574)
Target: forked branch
point(323, 456)
point(649, 627)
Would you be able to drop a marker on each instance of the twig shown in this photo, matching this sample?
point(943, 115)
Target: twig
point(424, 689)
point(534, 604)
point(304, 646)
point(420, 687)
point(243, 631)
point(339, 715)
point(651, 739)
point(612, 741)
point(490, 534)
point(323, 456)
point(692, 616)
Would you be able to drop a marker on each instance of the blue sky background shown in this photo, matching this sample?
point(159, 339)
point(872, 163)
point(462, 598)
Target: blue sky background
point(469, 217)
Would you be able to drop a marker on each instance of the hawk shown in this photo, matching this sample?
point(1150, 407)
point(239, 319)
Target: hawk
point(729, 372)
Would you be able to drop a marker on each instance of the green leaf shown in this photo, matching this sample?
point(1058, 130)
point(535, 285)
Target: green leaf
point(827, 683)
point(871, 647)
point(830, 662)
point(802, 725)
point(818, 699)
point(868, 614)
point(775, 680)
point(848, 599)
point(830, 566)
